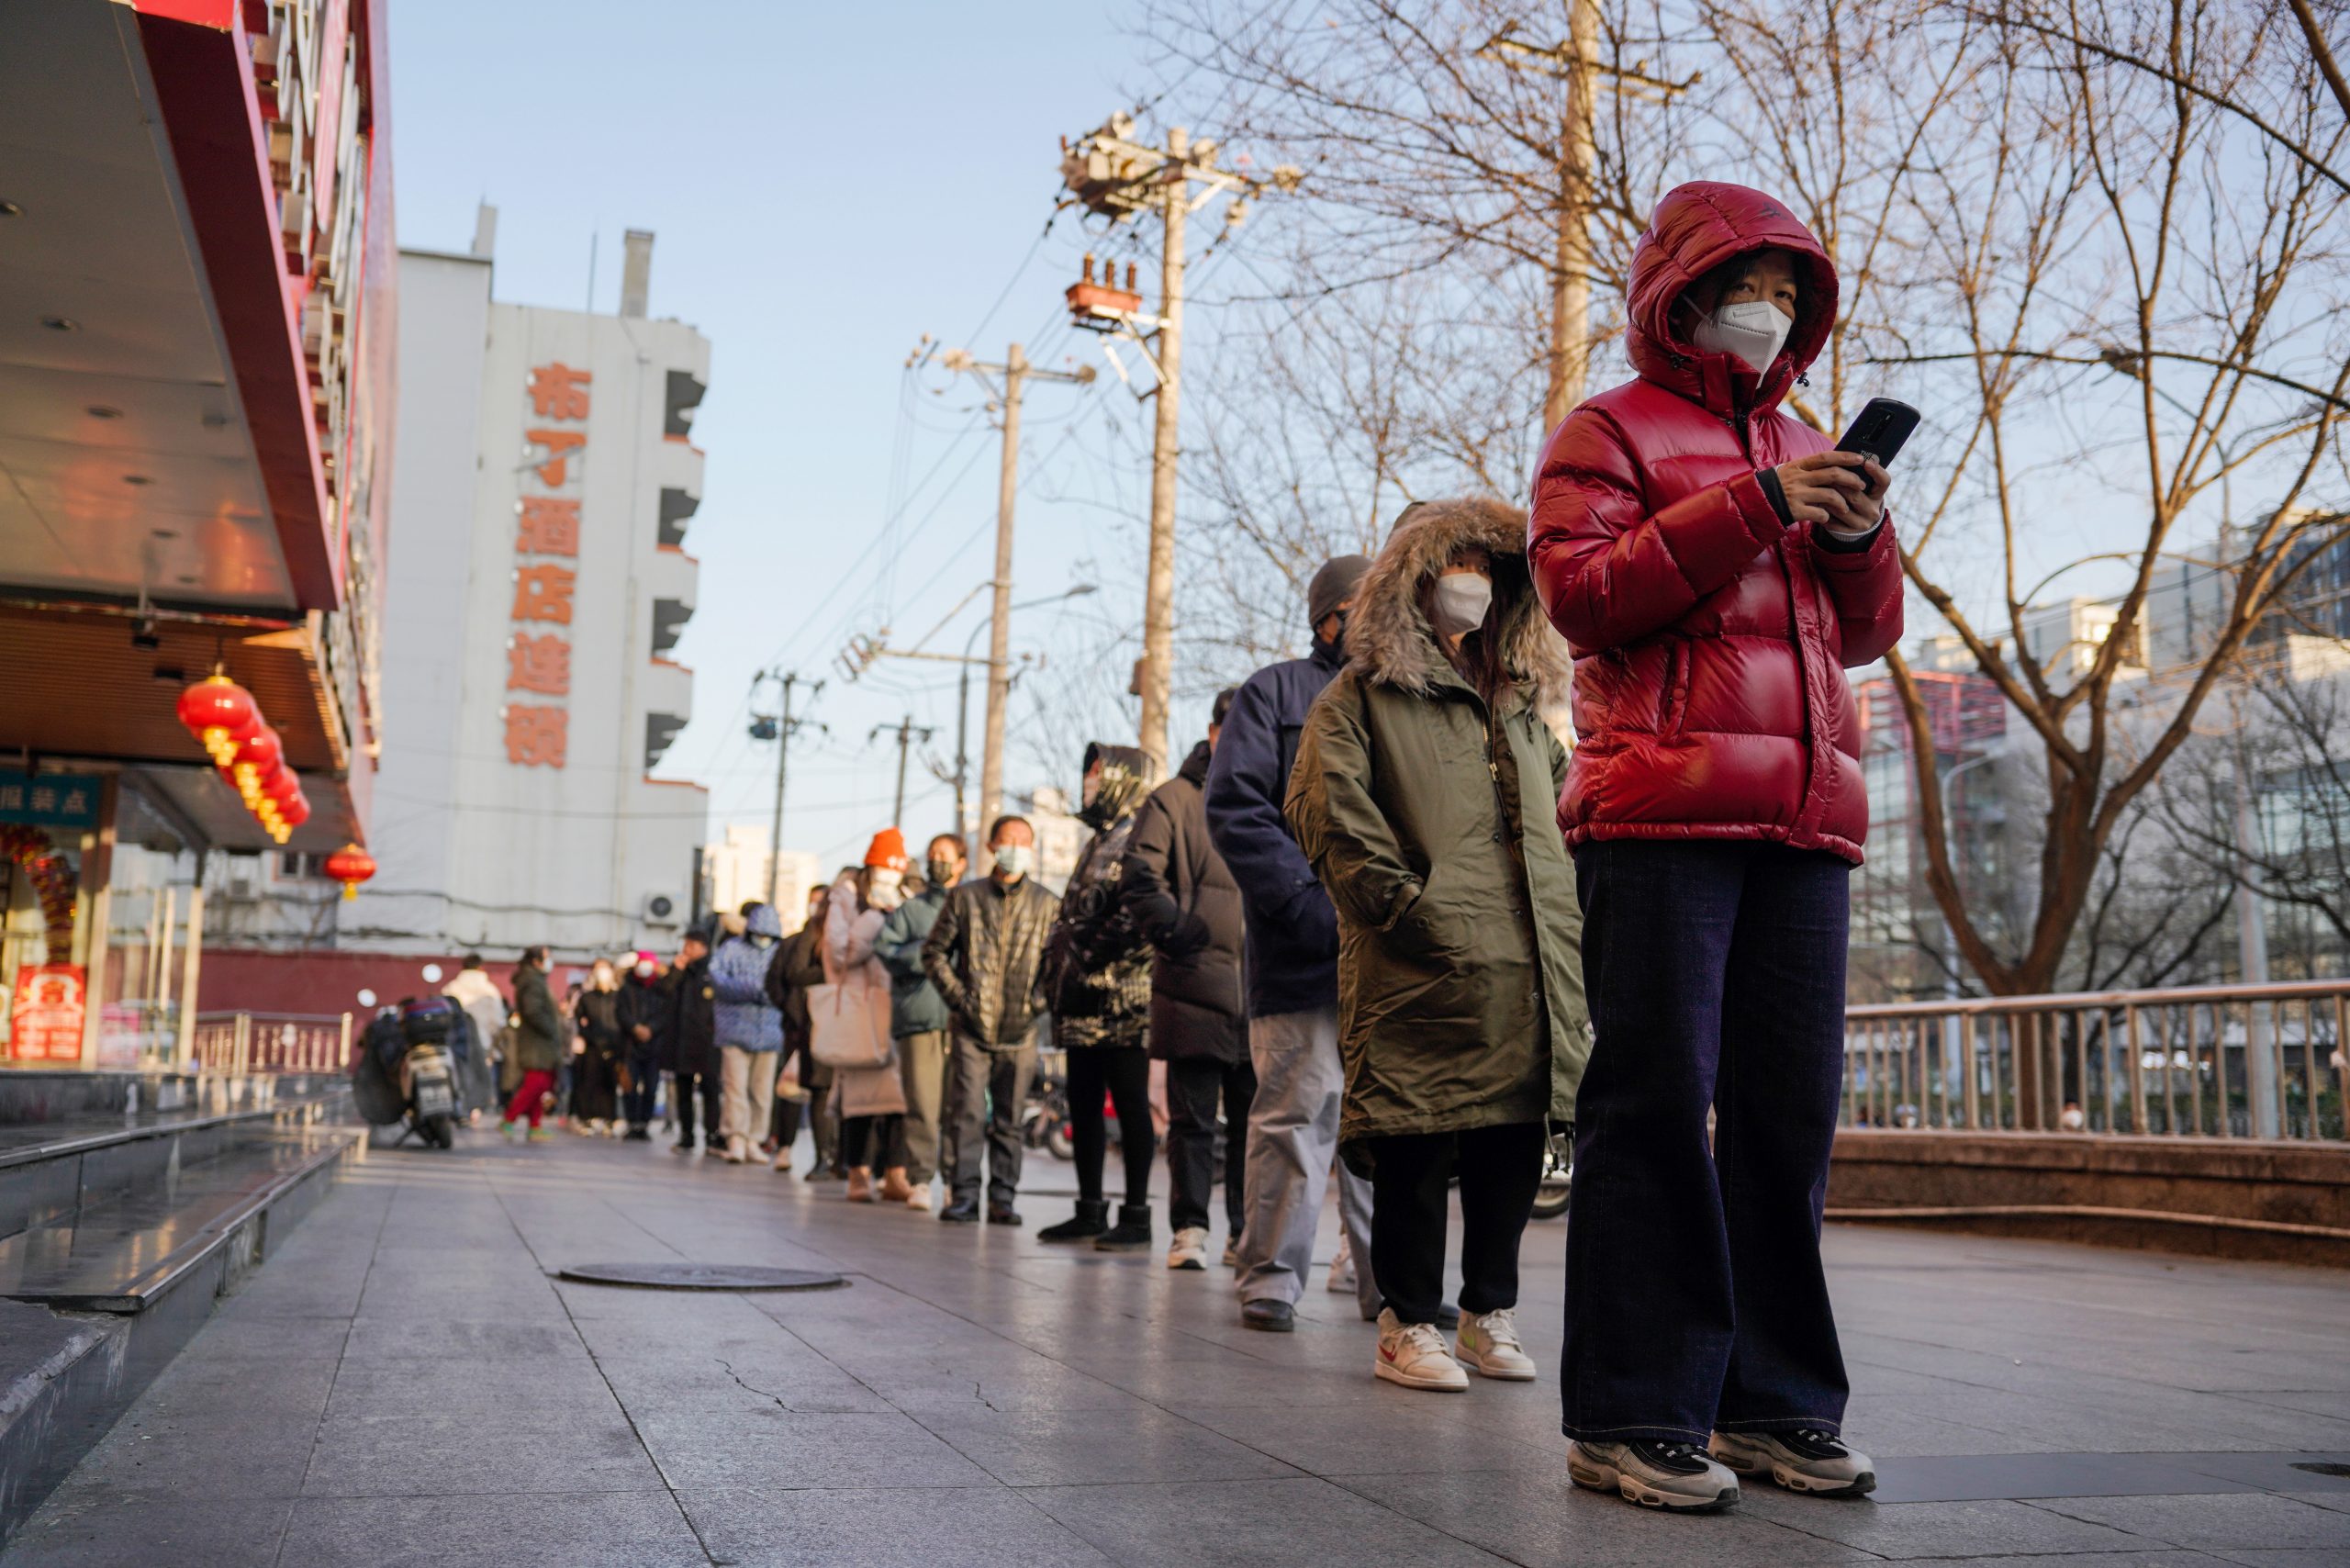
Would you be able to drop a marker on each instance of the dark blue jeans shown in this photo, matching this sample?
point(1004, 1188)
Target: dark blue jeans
point(643, 1082)
point(1695, 1299)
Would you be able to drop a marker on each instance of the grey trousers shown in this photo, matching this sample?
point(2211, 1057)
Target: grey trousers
point(1293, 1140)
point(986, 1088)
point(922, 1069)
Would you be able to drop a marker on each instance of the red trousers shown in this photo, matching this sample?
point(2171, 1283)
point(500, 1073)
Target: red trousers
point(529, 1095)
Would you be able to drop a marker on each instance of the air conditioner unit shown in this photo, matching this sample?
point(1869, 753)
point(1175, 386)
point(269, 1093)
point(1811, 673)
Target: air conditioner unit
point(660, 908)
point(241, 889)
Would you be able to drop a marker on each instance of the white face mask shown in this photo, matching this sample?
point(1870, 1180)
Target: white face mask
point(1459, 605)
point(889, 888)
point(1752, 329)
point(1012, 859)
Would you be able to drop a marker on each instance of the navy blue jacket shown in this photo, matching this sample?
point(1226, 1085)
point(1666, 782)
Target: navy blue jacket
point(1293, 940)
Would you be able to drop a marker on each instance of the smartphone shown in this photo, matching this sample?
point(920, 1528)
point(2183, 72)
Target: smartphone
point(1880, 429)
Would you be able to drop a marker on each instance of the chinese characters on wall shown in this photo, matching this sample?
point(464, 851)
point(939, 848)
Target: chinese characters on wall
point(547, 551)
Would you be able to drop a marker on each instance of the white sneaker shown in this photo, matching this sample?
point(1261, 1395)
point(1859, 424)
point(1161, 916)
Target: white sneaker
point(1675, 1475)
point(1489, 1342)
point(1814, 1460)
point(920, 1197)
point(1342, 1270)
point(1415, 1356)
point(1188, 1250)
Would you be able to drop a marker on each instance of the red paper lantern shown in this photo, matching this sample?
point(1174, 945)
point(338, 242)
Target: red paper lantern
point(297, 810)
point(221, 713)
point(280, 785)
point(350, 865)
point(263, 750)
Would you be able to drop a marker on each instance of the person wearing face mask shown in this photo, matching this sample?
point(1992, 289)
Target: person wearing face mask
point(803, 1085)
point(871, 1101)
point(596, 1053)
point(690, 1044)
point(918, 1015)
point(1097, 980)
point(984, 955)
point(1422, 798)
point(750, 1025)
point(1184, 900)
point(1715, 567)
point(1292, 949)
point(644, 1020)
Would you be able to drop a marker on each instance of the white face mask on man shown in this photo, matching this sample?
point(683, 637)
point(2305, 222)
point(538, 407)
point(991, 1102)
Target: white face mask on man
point(1457, 606)
point(1013, 859)
point(1752, 329)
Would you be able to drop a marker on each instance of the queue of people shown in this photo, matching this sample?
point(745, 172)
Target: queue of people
point(1384, 930)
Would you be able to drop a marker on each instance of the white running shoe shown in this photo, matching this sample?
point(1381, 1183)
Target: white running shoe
point(1489, 1342)
point(920, 1197)
point(1672, 1475)
point(1812, 1460)
point(1415, 1356)
point(1188, 1250)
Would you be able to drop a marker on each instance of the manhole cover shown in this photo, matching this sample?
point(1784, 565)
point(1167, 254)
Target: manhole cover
point(700, 1277)
point(2323, 1468)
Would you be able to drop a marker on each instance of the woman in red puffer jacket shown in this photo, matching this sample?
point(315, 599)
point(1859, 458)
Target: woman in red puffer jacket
point(1714, 567)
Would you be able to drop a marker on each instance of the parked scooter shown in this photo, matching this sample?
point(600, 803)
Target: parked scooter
point(407, 1068)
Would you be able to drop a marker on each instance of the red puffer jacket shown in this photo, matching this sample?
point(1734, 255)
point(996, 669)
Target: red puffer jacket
point(1709, 636)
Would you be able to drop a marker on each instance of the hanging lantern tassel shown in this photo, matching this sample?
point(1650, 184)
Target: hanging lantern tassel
point(350, 865)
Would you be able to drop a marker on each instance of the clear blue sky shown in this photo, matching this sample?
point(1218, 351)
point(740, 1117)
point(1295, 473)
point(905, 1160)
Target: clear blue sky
point(826, 184)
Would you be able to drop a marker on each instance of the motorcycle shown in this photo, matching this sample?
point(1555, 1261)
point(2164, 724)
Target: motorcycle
point(1043, 1120)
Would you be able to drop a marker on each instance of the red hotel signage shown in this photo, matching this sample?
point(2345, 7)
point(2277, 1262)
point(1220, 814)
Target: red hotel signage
point(538, 657)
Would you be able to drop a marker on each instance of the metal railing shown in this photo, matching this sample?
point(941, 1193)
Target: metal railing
point(243, 1042)
point(2260, 1061)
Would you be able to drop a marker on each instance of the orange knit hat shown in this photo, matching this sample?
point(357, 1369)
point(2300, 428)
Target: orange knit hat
point(888, 850)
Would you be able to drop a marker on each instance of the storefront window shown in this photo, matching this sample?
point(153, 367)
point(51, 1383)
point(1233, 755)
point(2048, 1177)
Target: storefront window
point(140, 984)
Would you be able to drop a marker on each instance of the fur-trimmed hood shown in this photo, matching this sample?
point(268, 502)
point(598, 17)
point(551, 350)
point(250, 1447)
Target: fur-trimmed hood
point(1388, 636)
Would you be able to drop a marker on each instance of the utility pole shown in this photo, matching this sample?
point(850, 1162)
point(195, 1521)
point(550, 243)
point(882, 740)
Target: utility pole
point(779, 730)
point(1575, 63)
point(905, 729)
point(1109, 172)
point(1015, 370)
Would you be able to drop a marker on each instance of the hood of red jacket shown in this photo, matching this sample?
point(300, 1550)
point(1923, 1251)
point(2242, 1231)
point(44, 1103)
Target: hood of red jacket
point(1695, 229)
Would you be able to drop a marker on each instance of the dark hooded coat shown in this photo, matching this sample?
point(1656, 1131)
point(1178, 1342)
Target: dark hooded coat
point(1426, 810)
point(1097, 964)
point(1185, 903)
point(1710, 634)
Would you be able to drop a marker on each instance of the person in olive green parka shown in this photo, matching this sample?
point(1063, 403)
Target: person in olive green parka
point(1423, 795)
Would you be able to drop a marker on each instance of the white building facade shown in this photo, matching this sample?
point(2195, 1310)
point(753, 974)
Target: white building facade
point(544, 477)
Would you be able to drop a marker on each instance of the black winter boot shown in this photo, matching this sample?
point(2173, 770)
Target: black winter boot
point(1131, 1234)
point(1093, 1217)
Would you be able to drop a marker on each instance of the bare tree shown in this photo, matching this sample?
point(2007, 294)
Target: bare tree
point(2278, 764)
point(2104, 243)
point(2160, 281)
point(1321, 423)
